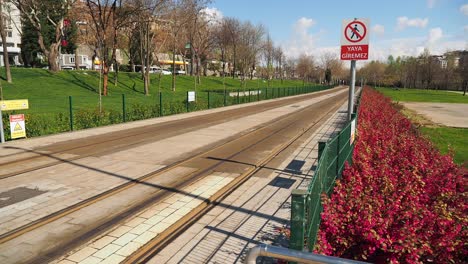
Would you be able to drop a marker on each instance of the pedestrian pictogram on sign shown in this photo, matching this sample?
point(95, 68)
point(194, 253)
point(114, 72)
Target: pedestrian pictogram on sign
point(355, 39)
point(355, 31)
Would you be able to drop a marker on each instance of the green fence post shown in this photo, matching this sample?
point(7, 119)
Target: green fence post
point(224, 97)
point(266, 93)
point(338, 160)
point(258, 95)
point(249, 95)
point(124, 113)
point(160, 104)
point(71, 112)
point(186, 102)
point(298, 219)
point(238, 98)
point(321, 148)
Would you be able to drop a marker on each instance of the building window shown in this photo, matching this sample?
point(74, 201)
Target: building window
point(9, 34)
point(72, 59)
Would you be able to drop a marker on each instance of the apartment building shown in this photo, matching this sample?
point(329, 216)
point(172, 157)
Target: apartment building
point(12, 26)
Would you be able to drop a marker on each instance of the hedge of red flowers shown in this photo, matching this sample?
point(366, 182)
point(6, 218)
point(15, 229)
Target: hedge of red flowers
point(401, 201)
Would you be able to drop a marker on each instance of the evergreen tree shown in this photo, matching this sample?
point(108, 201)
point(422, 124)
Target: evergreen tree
point(46, 18)
point(29, 44)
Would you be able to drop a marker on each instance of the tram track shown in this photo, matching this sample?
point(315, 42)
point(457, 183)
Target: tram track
point(150, 249)
point(104, 144)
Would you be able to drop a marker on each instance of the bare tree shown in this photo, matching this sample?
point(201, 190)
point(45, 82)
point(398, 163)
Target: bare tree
point(233, 27)
point(463, 70)
point(279, 58)
point(144, 24)
point(249, 45)
point(42, 13)
point(332, 65)
point(222, 41)
point(268, 53)
point(204, 41)
point(108, 16)
point(373, 72)
point(428, 67)
point(305, 67)
point(180, 14)
point(3, 24)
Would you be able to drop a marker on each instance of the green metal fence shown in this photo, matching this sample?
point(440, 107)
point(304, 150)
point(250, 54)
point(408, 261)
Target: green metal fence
point(50, 115)
point(306, 205)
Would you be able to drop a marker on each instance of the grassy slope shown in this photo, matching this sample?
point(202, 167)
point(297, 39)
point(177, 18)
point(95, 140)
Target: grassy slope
point(450, 139)
point(445, 138)
point(48, 92)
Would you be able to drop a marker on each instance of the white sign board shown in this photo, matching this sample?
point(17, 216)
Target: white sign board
point(355, 39)
point(353, 132)
point(191, 96)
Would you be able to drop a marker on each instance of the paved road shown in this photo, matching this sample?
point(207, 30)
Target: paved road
point(447, 114)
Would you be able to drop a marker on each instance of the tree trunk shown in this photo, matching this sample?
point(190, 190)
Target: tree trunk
point(116, 74)
point(466, 87)
point(173, 68)
point(6, 61)
point(105, 78)
point(52, 55)
point(224, 62)
point(234, 63)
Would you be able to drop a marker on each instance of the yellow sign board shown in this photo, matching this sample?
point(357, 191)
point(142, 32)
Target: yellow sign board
point(6, 105)
point(17, 126)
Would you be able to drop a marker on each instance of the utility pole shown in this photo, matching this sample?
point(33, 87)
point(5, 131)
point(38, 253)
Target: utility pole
point(351, 89)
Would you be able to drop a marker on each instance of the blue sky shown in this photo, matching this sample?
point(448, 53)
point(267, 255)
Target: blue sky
point(398, 27)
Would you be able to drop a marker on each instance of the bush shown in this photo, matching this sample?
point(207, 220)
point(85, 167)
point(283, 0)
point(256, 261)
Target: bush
point(401, 201)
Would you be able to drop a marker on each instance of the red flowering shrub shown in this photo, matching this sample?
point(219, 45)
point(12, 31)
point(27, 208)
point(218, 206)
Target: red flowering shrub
point(401, 201)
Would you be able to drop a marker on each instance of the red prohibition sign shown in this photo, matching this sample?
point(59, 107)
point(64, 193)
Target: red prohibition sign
point(360, 37)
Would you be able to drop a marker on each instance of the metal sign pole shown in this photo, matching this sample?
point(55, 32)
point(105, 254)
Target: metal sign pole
point(351, 89)
point(1, 126)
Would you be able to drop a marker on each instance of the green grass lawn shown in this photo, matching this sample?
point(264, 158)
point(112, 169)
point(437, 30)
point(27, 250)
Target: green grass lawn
point(444, 138)
point(447, 138)
point(49, 97)
point(418, 95)
point(49, 92)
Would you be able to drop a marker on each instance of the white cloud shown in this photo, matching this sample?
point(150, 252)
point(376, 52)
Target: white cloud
point(213, 14)
point(435, 34)
point(404, 22)
point(301, 40)
point(431, 3)
point(378, 29)
point(435, 41)
point(303, 24)
point(464, 9)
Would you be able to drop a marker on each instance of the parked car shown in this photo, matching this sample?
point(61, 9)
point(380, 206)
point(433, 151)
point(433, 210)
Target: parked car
point(162, 71)
point(177, 71)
